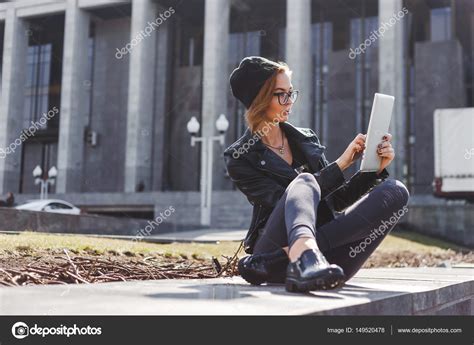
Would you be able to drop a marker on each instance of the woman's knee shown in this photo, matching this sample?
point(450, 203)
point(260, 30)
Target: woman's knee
point(309, 180)
point(399, 193)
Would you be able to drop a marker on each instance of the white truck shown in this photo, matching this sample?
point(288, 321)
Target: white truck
point(454, 153)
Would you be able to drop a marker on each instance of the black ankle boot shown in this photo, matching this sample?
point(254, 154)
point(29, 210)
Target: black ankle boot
point(313, 272)
point(267, 267)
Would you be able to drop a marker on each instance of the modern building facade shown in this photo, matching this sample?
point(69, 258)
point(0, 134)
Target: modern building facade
point(121, 78)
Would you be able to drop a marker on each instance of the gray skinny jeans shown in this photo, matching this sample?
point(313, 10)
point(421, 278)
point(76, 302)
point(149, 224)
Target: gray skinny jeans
point(350, 238)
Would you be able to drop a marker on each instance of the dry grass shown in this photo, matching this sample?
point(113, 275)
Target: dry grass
point(37, 258)
point(33, 241)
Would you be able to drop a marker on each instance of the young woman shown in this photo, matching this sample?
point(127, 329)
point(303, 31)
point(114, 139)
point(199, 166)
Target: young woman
point(295, 236)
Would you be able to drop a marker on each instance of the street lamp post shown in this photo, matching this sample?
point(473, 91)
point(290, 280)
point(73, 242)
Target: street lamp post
point(44, 183)
point(206, 162)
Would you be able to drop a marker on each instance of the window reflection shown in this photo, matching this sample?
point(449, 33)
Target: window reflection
point(37, 83)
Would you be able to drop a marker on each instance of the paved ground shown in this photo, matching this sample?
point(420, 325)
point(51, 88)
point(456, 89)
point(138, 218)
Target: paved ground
point(199, 236)
point(406, 291)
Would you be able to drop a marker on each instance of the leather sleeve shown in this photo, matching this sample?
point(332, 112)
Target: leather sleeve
point(256, 186)
point(358, 185)
point(330, 178)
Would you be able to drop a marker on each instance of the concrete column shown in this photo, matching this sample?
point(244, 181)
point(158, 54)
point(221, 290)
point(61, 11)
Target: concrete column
point(392, 80)
point(138, 150)
point(298, 57)
point(215, 76)
point(15, 49)
point(73, 113)
point(162, 76)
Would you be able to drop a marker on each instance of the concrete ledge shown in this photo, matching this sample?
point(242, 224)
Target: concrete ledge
point(13, 220)
point(21, 220)
point(451, 222)
point(394, 291)
point(230, 209)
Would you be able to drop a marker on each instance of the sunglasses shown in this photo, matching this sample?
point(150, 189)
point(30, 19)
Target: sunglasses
point(284, 97)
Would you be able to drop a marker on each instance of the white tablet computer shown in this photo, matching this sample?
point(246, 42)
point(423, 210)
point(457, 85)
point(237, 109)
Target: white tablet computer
point(378, 126)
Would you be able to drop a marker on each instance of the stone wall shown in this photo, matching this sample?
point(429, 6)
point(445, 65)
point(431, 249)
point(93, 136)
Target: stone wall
point(104, 163)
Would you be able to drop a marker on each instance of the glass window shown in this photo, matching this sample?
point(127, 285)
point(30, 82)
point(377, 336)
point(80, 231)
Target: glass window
point(282, 42)
point(242, 44)
point(58, 206)
point(190, 47)
point(441, 24)
point(361, 30)
point(89, 83)
point(321, 36)
point(37, 83)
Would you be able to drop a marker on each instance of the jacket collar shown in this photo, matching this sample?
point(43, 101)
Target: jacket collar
point(297, 134)
point(305, 140)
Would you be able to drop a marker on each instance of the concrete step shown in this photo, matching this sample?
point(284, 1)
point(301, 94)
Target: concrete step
point(384, 291)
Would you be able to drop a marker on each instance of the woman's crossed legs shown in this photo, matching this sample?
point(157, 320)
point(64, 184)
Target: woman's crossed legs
point(350, 238)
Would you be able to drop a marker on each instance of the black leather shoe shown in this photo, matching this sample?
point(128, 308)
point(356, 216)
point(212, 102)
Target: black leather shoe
point(313, 272)
point(267, 267)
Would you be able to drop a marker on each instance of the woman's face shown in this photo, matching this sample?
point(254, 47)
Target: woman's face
point(275, 109)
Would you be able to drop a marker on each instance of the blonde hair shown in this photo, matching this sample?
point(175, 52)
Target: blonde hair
point(255, 115)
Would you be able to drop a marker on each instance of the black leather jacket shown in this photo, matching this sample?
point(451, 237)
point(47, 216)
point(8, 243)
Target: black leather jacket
point(263, 177)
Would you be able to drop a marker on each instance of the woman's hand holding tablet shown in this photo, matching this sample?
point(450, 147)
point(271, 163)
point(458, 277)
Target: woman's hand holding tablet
point(373, 159)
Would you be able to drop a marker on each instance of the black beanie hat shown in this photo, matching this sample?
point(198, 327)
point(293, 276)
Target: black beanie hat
point(247, 79)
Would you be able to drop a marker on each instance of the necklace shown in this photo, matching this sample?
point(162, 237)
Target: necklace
point(279, 148)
